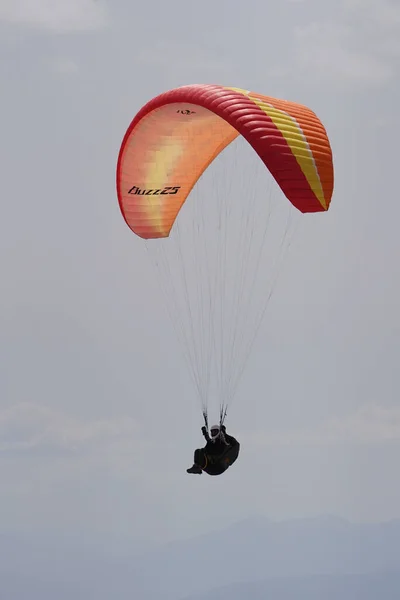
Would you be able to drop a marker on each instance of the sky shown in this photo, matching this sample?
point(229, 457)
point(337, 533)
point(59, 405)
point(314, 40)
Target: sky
point(98, 415)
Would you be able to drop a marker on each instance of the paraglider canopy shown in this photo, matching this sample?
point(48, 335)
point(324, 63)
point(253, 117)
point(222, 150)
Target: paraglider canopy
point(172, 141)
point(175, 136)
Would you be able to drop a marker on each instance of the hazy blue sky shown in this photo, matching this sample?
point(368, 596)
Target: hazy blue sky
point(94, 396)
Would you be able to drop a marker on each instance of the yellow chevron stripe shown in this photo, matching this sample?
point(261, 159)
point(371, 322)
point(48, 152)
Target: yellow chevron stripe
point(297, 142)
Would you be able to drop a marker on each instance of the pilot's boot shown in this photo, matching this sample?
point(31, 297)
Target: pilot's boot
point(195, 469)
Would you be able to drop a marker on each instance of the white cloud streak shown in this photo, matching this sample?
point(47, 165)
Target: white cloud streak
point(371, 424)
point(29, 427)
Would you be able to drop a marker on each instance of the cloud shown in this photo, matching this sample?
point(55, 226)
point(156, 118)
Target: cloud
point(59, 16)
point(32, 432)
point(63, 472)
point(326, 50)
point(28, 427)
point(371, 424)
point(358, 46)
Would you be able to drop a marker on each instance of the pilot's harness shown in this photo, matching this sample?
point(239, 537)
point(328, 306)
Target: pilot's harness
point(216, 459)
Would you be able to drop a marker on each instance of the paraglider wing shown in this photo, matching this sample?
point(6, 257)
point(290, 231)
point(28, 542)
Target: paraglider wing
point(175, 136)
point(208, 266)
